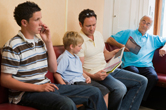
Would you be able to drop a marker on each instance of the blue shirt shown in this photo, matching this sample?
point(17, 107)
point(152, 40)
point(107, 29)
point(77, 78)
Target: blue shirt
point(148, 43)
point(70, 68)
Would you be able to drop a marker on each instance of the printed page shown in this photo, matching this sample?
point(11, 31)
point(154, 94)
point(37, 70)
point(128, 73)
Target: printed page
point(115, 62)
point(112, 68)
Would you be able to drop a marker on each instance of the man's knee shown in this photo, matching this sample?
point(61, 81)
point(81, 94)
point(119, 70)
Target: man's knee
point(153, 77)
point(132, 69)
point(66, 104)
point(95, 90)
point(144, 80)
point(120, 91)
point(152, 74)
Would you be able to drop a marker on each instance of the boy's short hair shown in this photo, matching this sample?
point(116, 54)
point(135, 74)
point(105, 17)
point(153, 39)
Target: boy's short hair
point(25, 11)
point(73, 38)
point(86, 13)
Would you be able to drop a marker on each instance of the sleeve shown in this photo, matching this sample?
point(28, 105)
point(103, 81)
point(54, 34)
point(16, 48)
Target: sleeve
point(162, 40)
point(63, 63)
point(158, 41)
point(10, 60)
point(121, 36)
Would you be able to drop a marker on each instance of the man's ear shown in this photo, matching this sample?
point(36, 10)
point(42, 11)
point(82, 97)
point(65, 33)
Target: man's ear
point(24, 22)
point(80, 24)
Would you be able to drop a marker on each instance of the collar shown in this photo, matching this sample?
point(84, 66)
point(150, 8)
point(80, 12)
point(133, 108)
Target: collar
point(145, 35)
point(36, 39)
point(85, 37)
point(70, 55)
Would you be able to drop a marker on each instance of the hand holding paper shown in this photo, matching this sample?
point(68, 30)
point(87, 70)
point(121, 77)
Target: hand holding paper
point(133, 46)
point(115, 62)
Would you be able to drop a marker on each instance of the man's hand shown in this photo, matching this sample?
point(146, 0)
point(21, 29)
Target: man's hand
point(115, 51)
point(162, 52)
point(45, 34)
point(126, 49)
point(101, 75)
point(48, 87)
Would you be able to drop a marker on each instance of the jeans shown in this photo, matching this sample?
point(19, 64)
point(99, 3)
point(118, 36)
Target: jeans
point(104, 90)
point(149, 73)
point(65, 98)
point(126, 89)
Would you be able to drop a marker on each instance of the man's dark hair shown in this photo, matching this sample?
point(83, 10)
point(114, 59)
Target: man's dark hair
point(86, 13)
point(25, 11)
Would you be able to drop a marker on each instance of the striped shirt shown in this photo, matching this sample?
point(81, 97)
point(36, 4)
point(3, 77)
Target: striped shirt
point(25, 61)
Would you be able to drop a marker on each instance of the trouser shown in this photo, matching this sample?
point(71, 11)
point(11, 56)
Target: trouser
point(149, 73)
point(66, 98)
point(126, 89)
point(104, 90)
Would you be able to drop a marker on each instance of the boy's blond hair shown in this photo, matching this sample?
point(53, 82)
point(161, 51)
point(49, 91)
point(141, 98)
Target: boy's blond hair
point(73, 38)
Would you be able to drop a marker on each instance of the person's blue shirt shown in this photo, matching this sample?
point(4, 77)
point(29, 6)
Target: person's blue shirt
point(70, 68)
point(149, 43)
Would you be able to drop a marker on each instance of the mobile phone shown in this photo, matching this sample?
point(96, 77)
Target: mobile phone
point(42, 29)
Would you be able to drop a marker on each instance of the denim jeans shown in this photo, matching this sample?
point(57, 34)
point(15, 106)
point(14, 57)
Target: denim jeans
point(65, 98)
point(126, 89)
point(149, 73)
point(104, 90)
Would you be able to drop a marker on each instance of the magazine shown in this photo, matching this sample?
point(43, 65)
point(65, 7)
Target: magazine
point(133, 46)
point(115, 62)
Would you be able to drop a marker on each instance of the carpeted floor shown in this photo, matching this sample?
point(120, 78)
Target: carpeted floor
point(156, 99)
point(145, 108)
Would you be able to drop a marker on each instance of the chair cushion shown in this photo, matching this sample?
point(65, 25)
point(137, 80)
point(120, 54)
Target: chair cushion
point(7, 106)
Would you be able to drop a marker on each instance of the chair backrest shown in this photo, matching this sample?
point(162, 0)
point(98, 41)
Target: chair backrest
point(3, 90)
point(59, 49)
point(110, 47)
point(159, 63)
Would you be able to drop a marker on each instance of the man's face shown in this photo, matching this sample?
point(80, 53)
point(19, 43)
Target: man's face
point(89, 26)
point(145, 24)
point(35, 24)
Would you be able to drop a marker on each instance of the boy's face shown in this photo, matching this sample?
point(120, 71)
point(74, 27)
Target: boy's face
point(77, 48)
point(35, 24)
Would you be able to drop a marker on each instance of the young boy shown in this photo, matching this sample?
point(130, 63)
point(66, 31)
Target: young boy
point(25, 61)
point(69, 70)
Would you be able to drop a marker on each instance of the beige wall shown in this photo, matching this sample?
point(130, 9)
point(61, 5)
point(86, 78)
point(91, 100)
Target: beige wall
point(76, 6)
point(59, 15)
